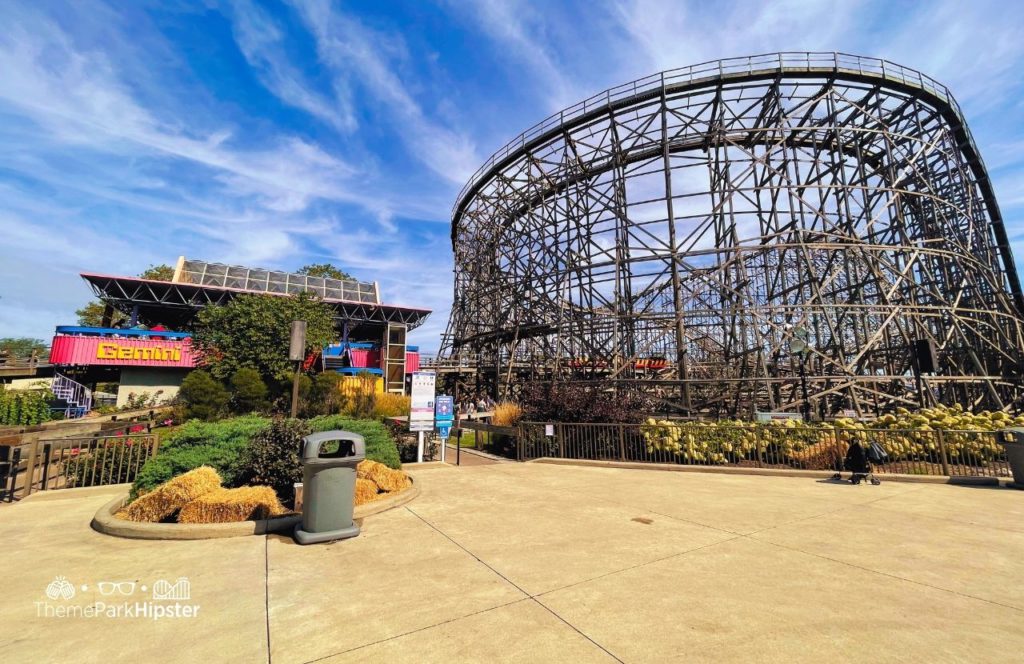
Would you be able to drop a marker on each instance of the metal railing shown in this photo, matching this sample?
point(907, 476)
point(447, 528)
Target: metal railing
point(911, 452)
point(67, 463)
point(77, 397)
point(8, 361)
point(718, 70)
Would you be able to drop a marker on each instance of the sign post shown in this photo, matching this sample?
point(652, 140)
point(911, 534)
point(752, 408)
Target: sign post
point(444, 416)
point(421, 412)
point(296, 353)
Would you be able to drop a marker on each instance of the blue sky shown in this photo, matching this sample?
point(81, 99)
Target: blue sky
point(281, 133)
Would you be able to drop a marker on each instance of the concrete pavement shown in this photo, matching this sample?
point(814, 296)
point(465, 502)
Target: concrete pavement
point(534, 562)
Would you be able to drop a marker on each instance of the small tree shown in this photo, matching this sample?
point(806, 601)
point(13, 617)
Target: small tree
point(162, 272)
point(324, 270)
point(91, 315)
point(22, 347)
point(203, 397)
point(253, 331)
point(572, 402)
point(249, 392)
point(324, 395)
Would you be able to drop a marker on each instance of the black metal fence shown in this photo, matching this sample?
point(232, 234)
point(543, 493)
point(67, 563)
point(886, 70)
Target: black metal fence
point(913, 452)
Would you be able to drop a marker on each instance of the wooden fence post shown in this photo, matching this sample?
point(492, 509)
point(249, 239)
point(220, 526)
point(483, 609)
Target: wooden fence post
point(30, 468)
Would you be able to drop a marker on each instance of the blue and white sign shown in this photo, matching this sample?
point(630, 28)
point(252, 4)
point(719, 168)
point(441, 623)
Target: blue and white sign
point(444, 409)
point(444, 431)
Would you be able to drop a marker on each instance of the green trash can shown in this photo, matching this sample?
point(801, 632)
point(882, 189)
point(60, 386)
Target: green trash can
point(329, 461)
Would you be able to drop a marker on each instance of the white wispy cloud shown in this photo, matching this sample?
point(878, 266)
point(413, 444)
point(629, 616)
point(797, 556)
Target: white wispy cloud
point(262, 42)
point(350, 49)
point(530, 40)
point(124, 148)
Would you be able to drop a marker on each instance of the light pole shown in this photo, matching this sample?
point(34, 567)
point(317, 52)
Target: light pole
point(801, 347)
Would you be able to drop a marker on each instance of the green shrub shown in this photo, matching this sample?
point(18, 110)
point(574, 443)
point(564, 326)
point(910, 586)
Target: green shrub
point(272, 457)
point(234, 432)
point(171, 463)
point(25, 407)
point(249, 392)
point(380, 446)
point(323, 396)
point(204, 398)
point(254, 450)
point(196, 443)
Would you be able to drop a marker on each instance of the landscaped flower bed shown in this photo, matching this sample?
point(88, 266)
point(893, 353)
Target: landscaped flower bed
point(245, 468)
point(198, 496)
point(905, 436)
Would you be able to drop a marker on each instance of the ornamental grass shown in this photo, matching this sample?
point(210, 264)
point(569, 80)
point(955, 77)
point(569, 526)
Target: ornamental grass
point(819, 456)
point(506, 414)
point(230, 505)
point(390, 405)
point(164, 501)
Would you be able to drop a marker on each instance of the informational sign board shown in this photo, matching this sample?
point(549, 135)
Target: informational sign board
point(444, 409)
point(444, 415)
point(422, 398)
point(549, 429)
point(297, 341)
point(768, 417)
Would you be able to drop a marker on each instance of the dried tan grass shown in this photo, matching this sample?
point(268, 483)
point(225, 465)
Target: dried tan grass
point(506, 414)
point(366, 491)
point(390, 405)
point(162, 502)
point(819, 456)
point(385, 478)
point(229, 505)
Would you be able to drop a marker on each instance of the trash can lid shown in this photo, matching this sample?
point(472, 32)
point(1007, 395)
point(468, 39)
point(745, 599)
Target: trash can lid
point(344, 454)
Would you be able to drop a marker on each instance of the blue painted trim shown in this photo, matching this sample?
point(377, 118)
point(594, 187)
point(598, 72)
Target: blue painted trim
point(111, 331)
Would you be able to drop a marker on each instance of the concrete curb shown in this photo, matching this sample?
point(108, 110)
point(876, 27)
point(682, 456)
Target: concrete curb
point(773, 472)
point(105, 522)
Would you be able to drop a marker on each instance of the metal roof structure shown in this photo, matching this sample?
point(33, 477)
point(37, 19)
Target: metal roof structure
point(198, 284)
point(273, 282)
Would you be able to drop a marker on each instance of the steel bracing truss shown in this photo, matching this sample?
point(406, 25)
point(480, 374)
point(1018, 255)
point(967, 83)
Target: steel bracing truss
point(676, 232)
point(177, 303)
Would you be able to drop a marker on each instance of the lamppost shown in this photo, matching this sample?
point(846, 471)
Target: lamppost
point(800, 346)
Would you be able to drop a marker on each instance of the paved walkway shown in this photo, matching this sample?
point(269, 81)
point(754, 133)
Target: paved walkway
point(535, 562)
point(469, 457)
